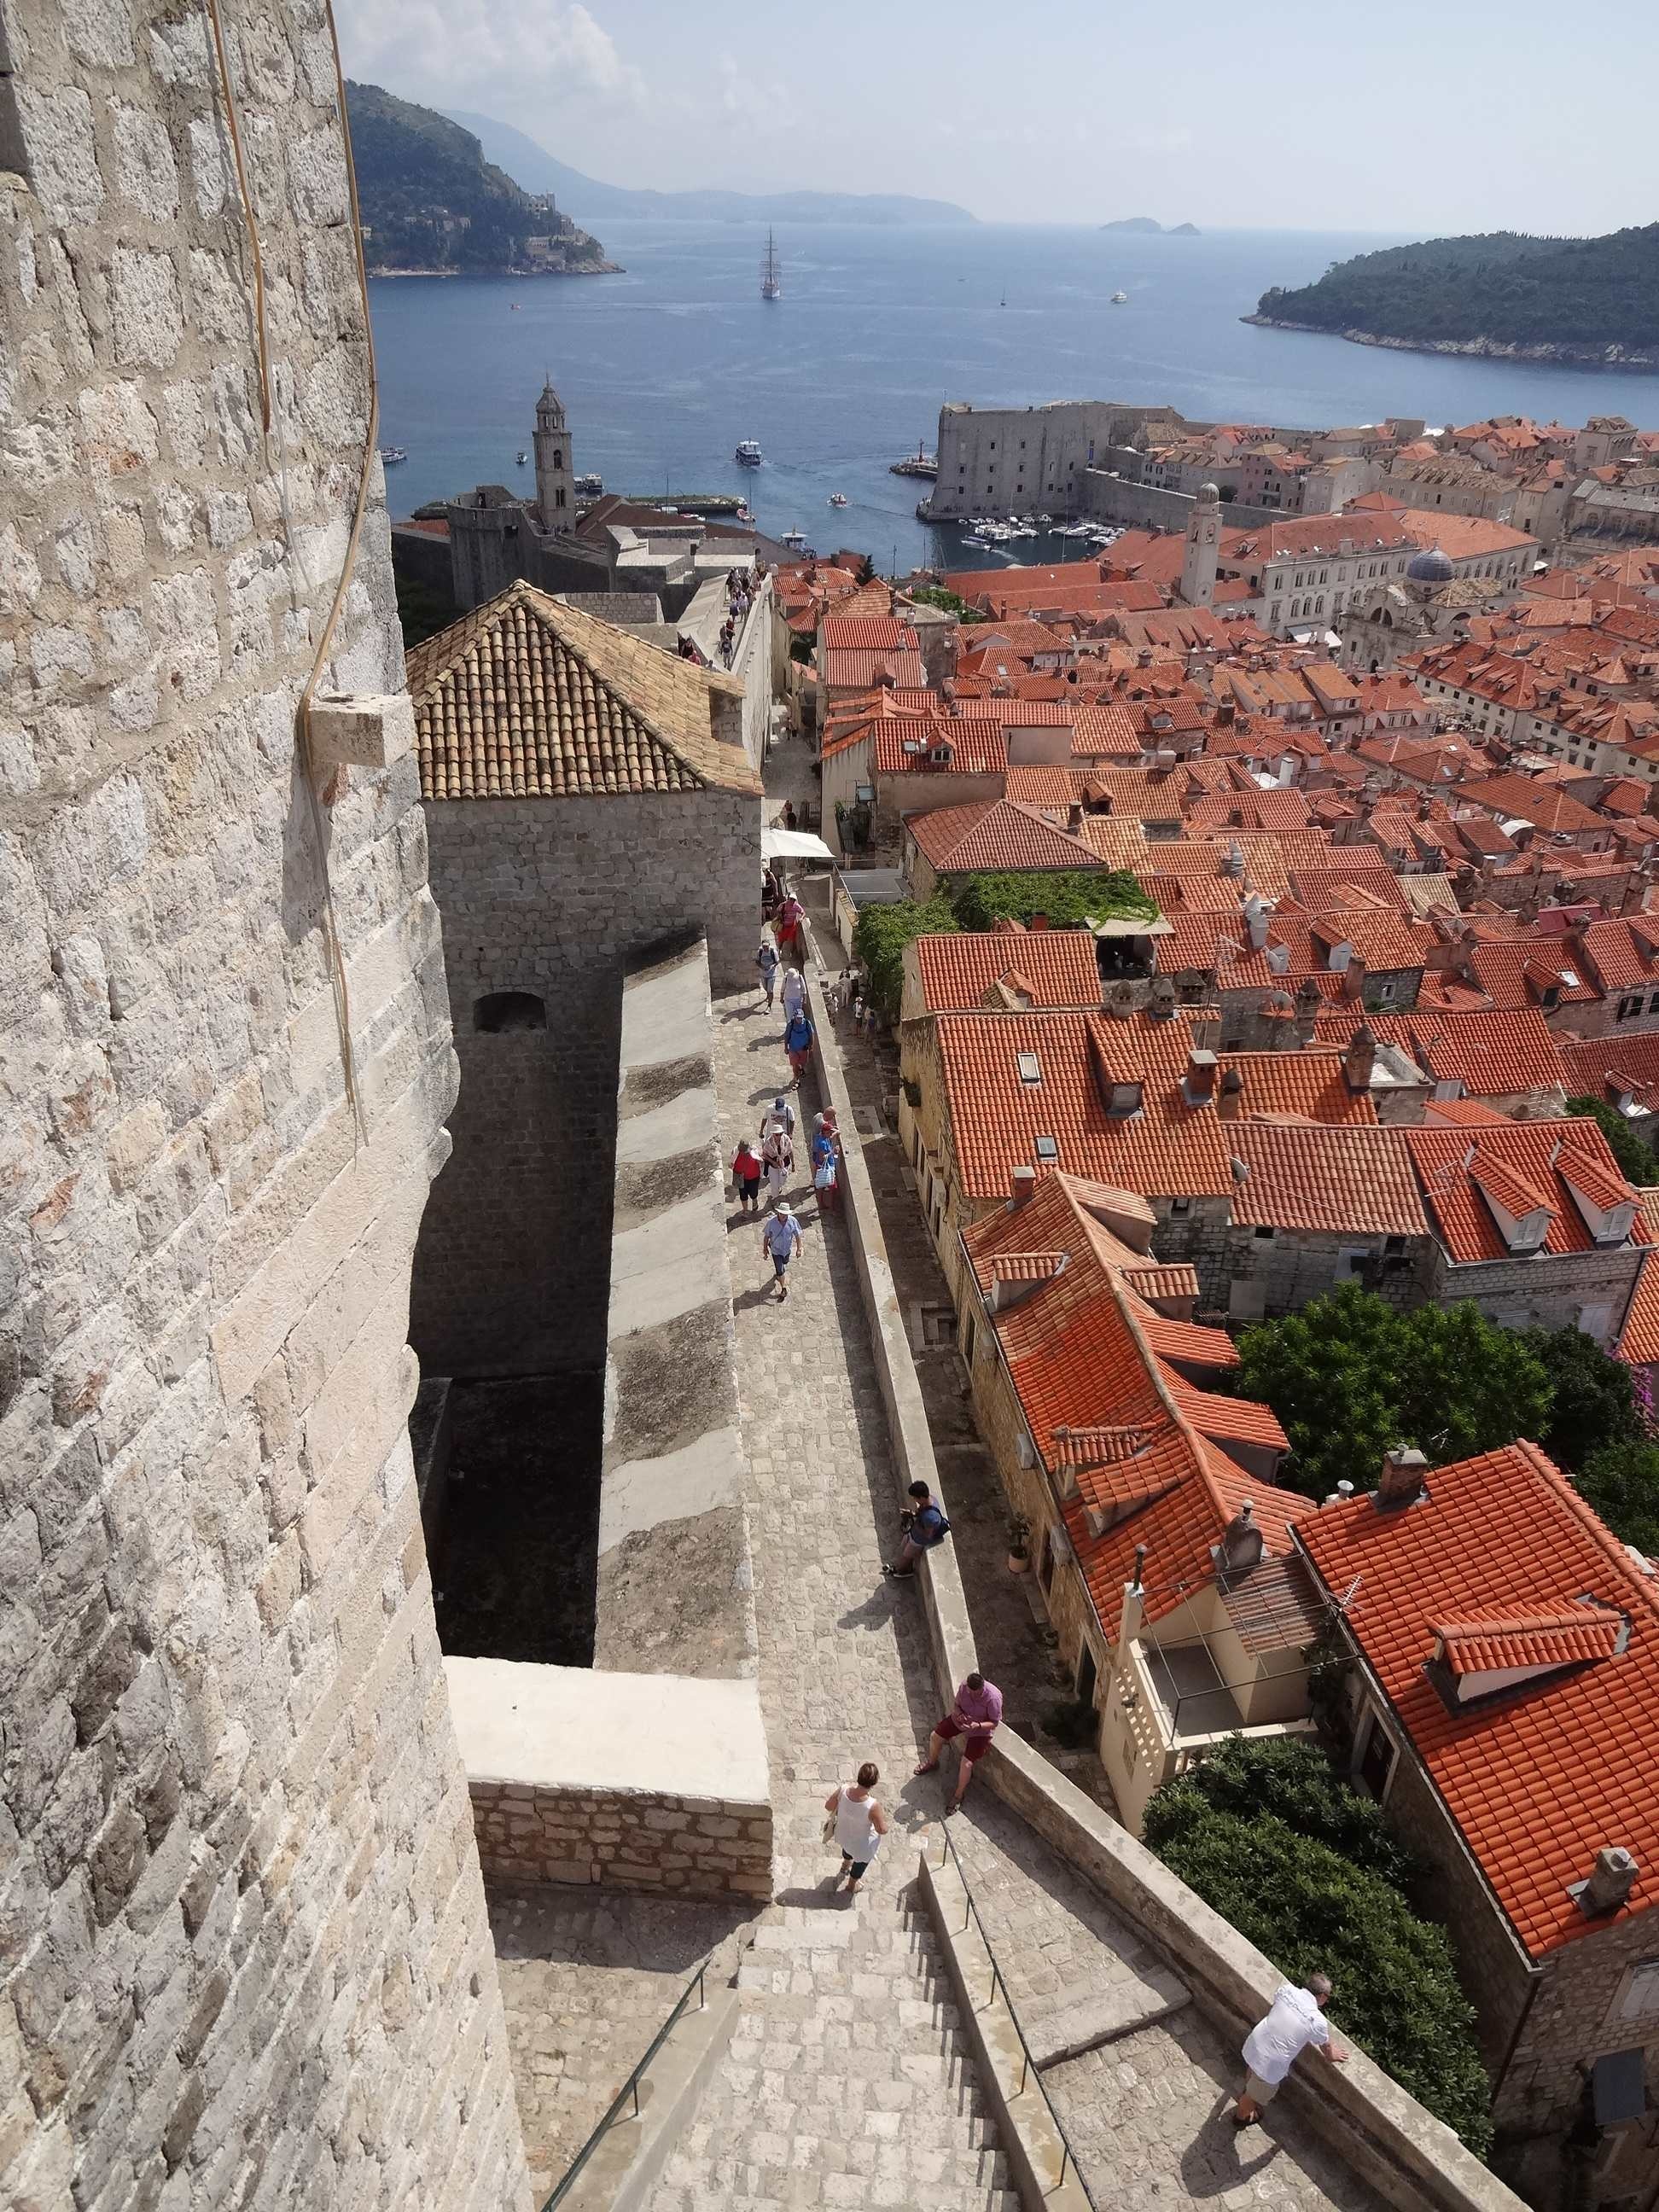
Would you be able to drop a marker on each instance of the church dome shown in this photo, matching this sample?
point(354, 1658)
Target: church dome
point(1431, 566)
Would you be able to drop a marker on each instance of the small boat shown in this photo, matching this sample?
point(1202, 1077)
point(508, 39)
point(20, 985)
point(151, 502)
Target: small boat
point(517, 309)
point(745, 513)
point(523, 457)
point(793, 537)
point(838, 499)
point(590, 486)
point(390, 455)
point(1120, 299)
point(749, 452)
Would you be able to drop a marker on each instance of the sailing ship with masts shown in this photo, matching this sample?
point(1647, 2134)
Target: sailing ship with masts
point(771, 273)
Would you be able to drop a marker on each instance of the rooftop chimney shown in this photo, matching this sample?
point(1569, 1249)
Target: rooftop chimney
point(1307, 1010)
point(1361, 1061)
point(1230, 1101)
point(1610, 1884)
point(1198, 1084)
point(1240, 1548)
point(1403, 1470)
point(1257, 920)
point(1022, 1181)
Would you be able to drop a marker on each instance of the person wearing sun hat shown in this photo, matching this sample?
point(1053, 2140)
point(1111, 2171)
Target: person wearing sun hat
point(780, 1241)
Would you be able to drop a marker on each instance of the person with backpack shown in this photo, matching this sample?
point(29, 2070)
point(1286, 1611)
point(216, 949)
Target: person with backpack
point(925, 1527)
point(778, 1158)
point(798, 1043)
point(766, 960)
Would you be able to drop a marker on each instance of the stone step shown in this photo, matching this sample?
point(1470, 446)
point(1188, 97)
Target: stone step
point(1103, 2016)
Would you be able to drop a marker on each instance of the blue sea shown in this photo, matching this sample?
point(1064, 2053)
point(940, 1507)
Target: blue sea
point(663, 368)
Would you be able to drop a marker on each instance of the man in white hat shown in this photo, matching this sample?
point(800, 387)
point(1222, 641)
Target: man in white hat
point(780, 1238)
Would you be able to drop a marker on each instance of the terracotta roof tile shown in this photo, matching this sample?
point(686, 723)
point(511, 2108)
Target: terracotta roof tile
point(1493, 1055)
point(994, 834)
point(1541, 1780)
point(1639, 1340)
point(527, 698)
point(1058, 966)
point(1340, 1180)
point(906, 746)
point(1523, 1166)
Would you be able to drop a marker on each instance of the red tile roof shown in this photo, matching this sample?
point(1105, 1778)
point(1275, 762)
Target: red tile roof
point(1523, 1165)
point(1624, 952)
point(1639, 1340)
point(996, 833)
point(1332, 1179)
point(852, 668)
point(1101, 1407)
point(1057, 966)
point(867, 633)
point(906, 746)
point(1541, 1780)
point(1498, 1641)
point(1493, 1055)
point(1605, 1068)
point(1104, 732)
point(1166, 1149)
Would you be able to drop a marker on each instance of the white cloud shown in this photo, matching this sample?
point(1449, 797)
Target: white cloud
point(545, 53)
point(756, 106)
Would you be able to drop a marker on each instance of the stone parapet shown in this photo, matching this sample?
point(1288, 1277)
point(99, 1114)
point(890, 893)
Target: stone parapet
point(676, 1589)
point(640, 1781)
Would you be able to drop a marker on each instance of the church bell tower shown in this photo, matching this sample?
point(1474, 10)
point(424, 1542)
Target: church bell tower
point(1203, 544)
point(555, 479)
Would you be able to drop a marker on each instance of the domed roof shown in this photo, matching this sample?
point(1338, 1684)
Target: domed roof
point(1431, 566)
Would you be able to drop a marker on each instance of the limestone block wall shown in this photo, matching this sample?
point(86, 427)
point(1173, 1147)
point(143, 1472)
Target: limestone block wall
point(644, 1781)
point(549, 897)
point(246, 1959)
point(675, 1588)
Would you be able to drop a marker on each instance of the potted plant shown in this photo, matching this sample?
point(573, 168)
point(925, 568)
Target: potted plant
point(1019, 1544)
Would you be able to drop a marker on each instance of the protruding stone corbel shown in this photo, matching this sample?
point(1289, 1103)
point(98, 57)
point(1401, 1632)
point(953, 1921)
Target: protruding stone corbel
point(366, 729)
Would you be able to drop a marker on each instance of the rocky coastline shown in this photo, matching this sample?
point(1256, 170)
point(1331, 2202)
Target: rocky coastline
point(587, 269)
point(1477, 349)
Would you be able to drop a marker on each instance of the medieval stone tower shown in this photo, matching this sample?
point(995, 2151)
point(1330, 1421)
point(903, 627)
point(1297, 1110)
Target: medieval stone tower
point(1203, 544)
point(555, 479)
point(246, 1959)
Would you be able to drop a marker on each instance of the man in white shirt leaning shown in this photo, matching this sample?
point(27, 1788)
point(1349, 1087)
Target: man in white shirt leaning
point(1297, 2020)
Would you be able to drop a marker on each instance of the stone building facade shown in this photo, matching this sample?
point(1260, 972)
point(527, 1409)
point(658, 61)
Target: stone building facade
point(588, 796)
point(246, 1959)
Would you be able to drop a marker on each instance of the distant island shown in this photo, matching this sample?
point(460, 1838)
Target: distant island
point(1145, 224)
point(433, 205)
point(594, 202)
point(1589, 301)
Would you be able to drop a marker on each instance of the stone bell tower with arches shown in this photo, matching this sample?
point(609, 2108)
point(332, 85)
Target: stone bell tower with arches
point(1203, 544)
point(555, 479)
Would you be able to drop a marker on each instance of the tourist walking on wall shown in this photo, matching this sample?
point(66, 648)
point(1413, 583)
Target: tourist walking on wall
point(924, 1525)
point(780, 1115)
point(798, 1043)
point(792, 992)
point(766, 960)
point(747, 1169)
point(780, 1241)
point(778, 1158)
point(791, 914)
point(1271, 2049)
point(859, 1826)
point(826, 1163)
point(973, 1718)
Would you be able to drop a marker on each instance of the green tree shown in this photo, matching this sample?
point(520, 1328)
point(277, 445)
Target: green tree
point(1350, 1376)
point(1593, 1398)
point(1621, 1483)
point(1068, 897)
point(1635, 1163)
point(881, 936)
point(1286, 1777)
point(866, 571)
point(1312, 1909)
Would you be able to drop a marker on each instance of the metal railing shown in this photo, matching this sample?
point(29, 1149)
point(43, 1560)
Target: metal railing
point(1028, 2067)
point(630, 2087)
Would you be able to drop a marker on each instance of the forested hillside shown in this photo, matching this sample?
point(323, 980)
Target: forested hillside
point(431, 201)
point(1578, 296)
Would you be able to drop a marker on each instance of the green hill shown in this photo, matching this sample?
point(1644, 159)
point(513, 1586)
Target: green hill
point(1584, 299)
point(431, 201)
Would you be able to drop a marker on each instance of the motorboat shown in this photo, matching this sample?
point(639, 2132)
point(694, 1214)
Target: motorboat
point(793, 537)
point(590, 486)
point(745, 513)
point(523, 457)
point(749, 452)
point(390, 455)
point(1120, 299)
point(838, 499)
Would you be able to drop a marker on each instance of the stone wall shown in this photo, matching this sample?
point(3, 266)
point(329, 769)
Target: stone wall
point(246, 1954)
point(1587, 1289)
point(646, 1782)
point(548, 897)
point(676, 1589)
point(1109, 497)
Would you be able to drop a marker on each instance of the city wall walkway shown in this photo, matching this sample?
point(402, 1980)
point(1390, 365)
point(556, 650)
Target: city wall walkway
point(847, 2081)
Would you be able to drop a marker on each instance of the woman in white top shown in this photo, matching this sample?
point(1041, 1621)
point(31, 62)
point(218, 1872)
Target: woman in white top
point(860, 1824)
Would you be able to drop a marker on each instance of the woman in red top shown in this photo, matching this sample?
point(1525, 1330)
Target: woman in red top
point(787, 928)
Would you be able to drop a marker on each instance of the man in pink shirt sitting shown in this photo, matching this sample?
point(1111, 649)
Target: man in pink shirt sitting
point(973, 1718)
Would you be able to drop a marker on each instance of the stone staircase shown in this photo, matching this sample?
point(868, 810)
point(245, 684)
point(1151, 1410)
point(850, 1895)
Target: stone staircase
point(847, 2080)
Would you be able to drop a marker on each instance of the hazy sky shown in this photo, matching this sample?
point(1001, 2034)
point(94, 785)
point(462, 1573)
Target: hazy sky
point(1394, 115)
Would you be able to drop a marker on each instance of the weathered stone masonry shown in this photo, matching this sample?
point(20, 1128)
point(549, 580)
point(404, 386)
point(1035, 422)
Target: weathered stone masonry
point(242, 1935)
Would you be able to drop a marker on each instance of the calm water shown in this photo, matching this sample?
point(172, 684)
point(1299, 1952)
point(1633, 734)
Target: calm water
point(664, 368)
